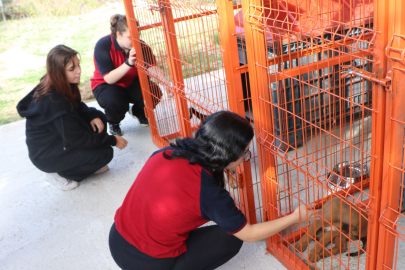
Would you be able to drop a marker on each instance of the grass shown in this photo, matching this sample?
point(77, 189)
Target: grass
point(36, 37)
point(198, 43)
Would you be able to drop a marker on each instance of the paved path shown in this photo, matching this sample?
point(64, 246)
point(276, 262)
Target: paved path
point(42, 227)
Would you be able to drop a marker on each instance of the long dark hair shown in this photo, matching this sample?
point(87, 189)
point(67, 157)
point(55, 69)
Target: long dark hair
point(221, 139)
point(55, 78)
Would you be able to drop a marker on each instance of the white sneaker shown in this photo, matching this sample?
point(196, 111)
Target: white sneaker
point(102, 169)
point(60, 182)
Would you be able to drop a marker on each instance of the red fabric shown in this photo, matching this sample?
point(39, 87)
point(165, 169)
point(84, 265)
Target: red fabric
point(118, 59)
point(153, 216)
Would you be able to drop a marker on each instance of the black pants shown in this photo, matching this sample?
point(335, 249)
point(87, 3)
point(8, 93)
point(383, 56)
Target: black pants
point(116, 99)
point(207, 248)
point(78, 163)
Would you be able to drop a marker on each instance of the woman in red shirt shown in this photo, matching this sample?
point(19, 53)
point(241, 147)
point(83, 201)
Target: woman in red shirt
point(115, 82)
point(180, 188)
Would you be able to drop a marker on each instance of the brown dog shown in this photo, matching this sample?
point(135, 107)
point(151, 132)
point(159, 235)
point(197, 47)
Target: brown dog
point(346, 220)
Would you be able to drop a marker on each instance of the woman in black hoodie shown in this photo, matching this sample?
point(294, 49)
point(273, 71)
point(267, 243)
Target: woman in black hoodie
point(65, 138)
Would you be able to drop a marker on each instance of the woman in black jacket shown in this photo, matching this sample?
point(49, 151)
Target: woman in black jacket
point(65, 138)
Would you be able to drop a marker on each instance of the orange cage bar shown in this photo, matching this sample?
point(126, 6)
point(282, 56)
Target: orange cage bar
point(320, 81)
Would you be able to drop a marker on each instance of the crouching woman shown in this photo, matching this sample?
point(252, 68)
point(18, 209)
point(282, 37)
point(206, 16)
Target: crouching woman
point(179, 189)
point(66, 139)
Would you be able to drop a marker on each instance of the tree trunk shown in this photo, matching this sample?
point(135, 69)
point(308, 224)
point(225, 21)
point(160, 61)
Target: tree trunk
point(2, 10)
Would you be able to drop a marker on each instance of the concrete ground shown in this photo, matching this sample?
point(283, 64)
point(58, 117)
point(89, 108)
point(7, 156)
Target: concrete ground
point(42, 227)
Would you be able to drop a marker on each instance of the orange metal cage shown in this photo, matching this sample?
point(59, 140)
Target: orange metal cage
point(186, 42)
point(320, 82)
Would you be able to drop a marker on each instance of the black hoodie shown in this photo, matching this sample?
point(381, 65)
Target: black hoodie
point(54, 126)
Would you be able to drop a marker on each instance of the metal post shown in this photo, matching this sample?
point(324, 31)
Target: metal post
point(176, 72)
point(143, 78)
point(393, 137)
point(235, 92)
point(378, 131)
point(259, 85)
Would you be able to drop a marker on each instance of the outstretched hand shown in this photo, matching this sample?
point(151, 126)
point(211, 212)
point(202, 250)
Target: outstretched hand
point(97, 125)
point(303, 214)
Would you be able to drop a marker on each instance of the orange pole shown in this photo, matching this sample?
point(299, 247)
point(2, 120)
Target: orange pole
point(176, 72)
point(395, 118)
point(378, 132)
point(235, 94)
point(259, 85)
point(143, 78)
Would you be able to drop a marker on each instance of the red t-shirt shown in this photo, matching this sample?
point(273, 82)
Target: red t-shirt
point(108, 55)
point(170, 198)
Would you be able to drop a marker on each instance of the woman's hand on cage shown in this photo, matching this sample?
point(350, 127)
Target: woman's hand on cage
point(132, 57)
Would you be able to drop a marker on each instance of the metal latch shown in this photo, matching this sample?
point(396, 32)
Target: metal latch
point(386, 82)
point(154, 8)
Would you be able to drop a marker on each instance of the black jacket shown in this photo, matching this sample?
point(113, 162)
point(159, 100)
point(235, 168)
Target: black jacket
point(54, 127)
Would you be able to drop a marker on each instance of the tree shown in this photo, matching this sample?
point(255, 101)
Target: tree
point(2, 10)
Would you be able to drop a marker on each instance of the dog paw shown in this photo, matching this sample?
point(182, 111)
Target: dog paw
point(300, 245)
point(314, 257)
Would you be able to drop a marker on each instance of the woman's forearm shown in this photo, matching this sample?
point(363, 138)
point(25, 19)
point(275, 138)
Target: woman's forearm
point(116, 74)
point(255, 232)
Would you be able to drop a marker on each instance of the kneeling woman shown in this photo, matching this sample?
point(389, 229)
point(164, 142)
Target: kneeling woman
point(65, 138)
point(179, 189)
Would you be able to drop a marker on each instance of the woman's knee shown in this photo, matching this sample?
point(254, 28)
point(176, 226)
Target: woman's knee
point(102, 116)
point(104, 155)
point(227, 240)
point(234, 243)
point(109, 154)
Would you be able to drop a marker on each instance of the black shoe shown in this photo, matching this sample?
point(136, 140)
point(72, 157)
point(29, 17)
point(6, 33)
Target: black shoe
point(143, 120)
point(115, 129)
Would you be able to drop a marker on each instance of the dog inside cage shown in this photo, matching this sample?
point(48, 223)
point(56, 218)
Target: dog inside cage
point(317, 112)
point(340, 223)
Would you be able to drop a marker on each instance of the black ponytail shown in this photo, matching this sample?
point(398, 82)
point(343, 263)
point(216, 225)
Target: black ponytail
point(221, 139)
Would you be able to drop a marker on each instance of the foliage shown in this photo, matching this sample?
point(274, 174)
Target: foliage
point(48, 8)
point(35, 37)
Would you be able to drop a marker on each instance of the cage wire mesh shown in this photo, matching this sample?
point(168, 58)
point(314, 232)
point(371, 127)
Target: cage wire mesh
point(321, 110)
point(200, 82)
point(308, 92)
point(196, 34)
